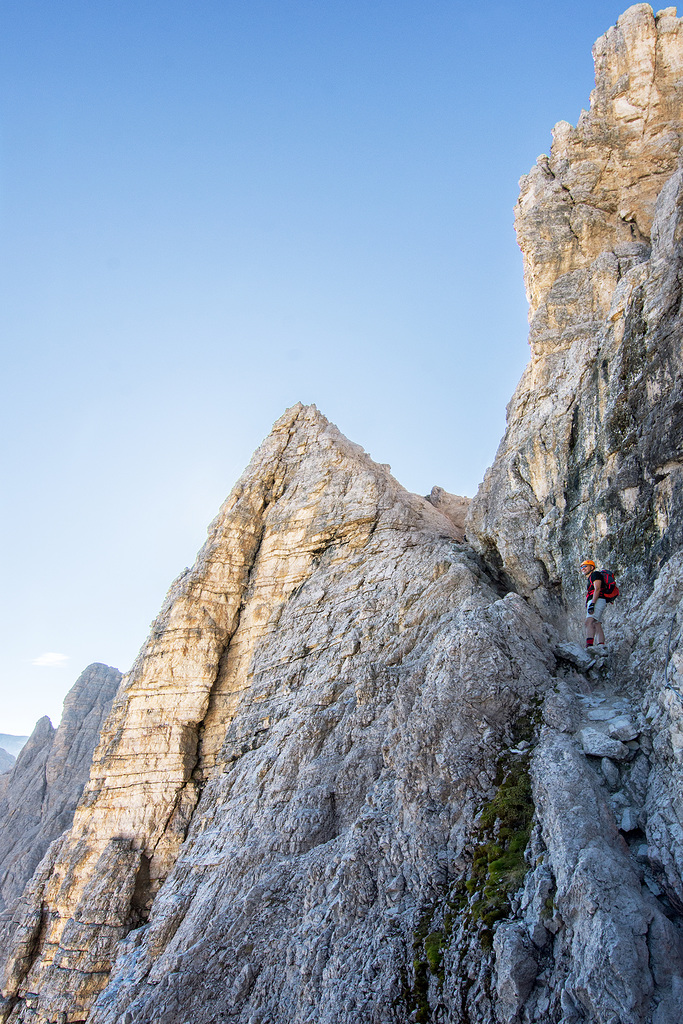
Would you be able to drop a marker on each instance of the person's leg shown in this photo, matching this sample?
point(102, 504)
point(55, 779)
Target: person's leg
point(590, 630)
point(598, 613)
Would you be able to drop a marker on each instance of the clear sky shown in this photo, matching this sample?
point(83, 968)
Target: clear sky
point(212, 209)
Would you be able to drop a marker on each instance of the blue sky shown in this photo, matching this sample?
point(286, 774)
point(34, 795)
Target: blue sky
point(212, 210)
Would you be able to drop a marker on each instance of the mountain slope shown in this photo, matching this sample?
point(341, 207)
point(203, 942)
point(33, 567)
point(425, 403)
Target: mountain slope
point(331, 681)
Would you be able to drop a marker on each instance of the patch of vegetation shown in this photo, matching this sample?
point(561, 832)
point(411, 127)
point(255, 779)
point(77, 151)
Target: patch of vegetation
point(498, 865)
point(434, 944)
point(427, 950)
point(497, 872)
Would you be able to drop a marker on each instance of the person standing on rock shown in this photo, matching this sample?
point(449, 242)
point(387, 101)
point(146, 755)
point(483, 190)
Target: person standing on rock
point(595, 604)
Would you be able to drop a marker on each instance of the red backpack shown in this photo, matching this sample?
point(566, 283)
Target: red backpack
point(610, 589)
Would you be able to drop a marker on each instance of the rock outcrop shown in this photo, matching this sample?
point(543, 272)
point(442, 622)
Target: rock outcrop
point(40, 793)
point(453, 506)
point(6, 760)
point(361, 771)
point(591, 459)
point(591, 465)
point(295, 758)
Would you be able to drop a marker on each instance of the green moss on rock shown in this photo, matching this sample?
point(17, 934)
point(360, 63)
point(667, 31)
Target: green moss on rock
point(498, 870)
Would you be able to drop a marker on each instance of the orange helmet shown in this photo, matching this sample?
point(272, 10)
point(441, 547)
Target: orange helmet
point(588, 561)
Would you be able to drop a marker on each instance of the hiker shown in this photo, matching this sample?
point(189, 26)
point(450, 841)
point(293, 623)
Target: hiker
point(595, 604)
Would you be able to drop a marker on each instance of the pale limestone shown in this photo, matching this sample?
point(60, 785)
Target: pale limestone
point(330, 681)
point(454, 506)
point(597, 744)
point(590, 464)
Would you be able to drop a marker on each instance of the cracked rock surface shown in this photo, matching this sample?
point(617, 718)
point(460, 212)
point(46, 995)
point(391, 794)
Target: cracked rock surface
point(590, 463)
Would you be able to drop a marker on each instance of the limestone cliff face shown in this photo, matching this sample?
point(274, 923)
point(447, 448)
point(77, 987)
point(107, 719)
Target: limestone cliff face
point(591, 459)
point(41, 791)
point(597, 192)
point(591, 465)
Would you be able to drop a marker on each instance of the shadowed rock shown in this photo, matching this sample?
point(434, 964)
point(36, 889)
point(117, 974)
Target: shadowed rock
point(44, 786)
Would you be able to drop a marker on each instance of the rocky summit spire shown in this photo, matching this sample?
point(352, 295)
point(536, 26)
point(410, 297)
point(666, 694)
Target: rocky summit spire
point(307, 558)
point(41, 791)
point(597, 191)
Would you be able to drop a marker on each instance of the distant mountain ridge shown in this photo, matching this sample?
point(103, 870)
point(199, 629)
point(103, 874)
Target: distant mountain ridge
point(39, 794)
point(12, 744)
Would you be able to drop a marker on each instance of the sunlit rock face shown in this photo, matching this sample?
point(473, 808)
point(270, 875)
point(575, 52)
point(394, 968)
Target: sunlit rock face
point(42, 790)
point(591, 460)
point(297, 756)
point(596, 193)
point(590, 465)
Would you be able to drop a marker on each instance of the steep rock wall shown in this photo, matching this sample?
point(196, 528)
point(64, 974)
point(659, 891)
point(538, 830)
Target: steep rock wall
point(590, 462)
point(591, 465)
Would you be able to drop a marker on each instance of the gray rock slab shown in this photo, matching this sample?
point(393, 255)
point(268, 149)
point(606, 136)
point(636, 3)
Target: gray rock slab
point(623, 729)
point(600, 715)
point(596, 744)
point(611, 772)
point(516, 967)
point(629, 819)
point(560, 712)
point(575, 654)
point(609, 917)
